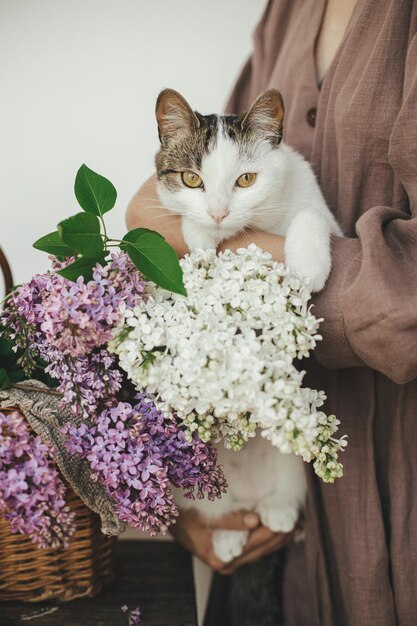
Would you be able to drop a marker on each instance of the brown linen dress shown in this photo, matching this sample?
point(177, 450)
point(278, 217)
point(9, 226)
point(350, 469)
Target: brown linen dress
point(359, 131)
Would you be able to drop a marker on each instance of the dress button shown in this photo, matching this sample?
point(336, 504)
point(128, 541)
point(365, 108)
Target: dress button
point(311, 116)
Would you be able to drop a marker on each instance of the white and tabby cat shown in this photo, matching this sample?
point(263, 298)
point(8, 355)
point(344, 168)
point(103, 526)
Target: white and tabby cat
point(222, 174)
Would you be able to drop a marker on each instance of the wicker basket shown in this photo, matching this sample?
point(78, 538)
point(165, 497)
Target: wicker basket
point(32, 574)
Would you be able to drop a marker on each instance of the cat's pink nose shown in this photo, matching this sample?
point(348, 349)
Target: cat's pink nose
point(219, 215)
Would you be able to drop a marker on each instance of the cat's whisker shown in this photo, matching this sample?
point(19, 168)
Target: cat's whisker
point(271, 207)
point(243, 231)
point(162, 212)
point(165, 218)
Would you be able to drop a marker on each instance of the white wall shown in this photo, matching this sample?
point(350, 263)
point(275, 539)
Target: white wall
point(78, 81)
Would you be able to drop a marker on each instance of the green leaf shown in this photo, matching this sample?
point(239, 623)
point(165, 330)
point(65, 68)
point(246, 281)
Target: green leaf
point(53, 244)
point(80, 267)
point(17, 375)
point(5, 381)
point(95, 194)
point(82, 233)
point(155, 258)
point(133, 235)
point(8, 361)
point(6, 347)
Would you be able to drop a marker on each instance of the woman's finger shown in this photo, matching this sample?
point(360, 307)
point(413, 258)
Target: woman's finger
point(237, 520)
point(257, 537)
point(274, 543)
point(250, 557)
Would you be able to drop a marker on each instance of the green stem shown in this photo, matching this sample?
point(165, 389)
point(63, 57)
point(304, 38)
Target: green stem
point(5, 299)
point(104, 231)
point(9, 295)
point(111, 243)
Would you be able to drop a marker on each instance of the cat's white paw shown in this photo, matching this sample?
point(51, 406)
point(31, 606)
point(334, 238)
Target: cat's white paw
point(316, 271)
point(317, 281)
point(307, 247)
point(228, 544)
point(196, 237)
point(278, 518)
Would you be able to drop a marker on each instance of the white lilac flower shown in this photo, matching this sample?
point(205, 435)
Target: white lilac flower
point(224, 357)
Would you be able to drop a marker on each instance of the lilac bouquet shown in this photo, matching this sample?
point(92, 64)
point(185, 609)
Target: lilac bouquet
point(57, 327)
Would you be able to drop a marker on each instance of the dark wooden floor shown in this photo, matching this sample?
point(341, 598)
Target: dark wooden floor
point(155, 575)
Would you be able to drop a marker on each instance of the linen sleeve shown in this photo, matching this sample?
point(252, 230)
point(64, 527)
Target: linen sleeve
point(369, 303)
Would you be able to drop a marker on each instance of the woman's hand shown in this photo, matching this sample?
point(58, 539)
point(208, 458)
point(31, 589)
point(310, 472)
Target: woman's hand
point(193, 532)
point(261, 542)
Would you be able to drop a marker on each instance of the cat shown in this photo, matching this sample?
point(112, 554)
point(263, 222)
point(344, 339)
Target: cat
point(223, 174)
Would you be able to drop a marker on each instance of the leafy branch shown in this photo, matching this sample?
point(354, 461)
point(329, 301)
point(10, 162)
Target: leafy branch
point(84, 236)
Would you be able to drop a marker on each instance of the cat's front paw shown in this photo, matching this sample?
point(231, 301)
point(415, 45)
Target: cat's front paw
point(229, 544)
point(196, 237)
point(317, 271)
point(317, 280)
point(278, 518)
point(307, 248)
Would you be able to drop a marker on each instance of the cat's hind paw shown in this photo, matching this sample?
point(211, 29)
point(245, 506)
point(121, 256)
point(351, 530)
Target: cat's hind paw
point(229, 544)
point(278, 518)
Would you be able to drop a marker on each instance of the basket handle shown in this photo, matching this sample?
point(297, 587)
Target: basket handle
point(7, 272)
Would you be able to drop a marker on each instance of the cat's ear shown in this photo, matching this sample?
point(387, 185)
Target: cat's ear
point(266, 115)
point(174, 115)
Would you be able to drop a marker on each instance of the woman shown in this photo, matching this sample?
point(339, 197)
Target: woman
point(348, 72)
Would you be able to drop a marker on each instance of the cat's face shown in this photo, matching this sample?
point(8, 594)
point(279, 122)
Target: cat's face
point(221, 171)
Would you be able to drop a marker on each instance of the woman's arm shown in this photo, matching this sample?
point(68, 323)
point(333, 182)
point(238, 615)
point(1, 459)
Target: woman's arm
point(145, 210)
point(369, 303)
point(268, 242)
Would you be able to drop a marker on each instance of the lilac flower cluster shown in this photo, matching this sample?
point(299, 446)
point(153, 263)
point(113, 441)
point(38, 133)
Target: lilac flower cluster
point(68, 325)
point(133, 615)
point(137, 453)
point(31, 492)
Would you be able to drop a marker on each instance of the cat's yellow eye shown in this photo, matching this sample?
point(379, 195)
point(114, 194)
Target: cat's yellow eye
point(246, 180)
point(191, 179)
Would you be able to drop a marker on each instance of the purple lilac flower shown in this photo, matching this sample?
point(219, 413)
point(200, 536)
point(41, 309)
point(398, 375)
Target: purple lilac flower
point(31, 491)
point(190, 465)
point(87, 381)
point(136, 454)
point(69, 324)
point(133, 615)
